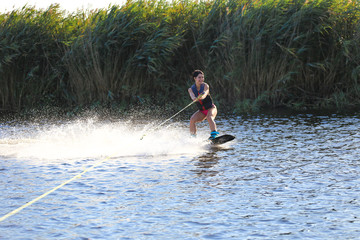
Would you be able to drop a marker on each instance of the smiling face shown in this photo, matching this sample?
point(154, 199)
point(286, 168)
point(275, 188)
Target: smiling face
point(199, 79)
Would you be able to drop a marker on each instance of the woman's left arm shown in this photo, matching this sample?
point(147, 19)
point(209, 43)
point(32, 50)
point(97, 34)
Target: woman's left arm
point(206, 91)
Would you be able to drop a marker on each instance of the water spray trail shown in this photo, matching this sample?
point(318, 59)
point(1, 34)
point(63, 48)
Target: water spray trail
point(90, 139)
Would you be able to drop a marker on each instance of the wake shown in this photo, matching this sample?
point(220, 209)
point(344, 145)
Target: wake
point(93, 139)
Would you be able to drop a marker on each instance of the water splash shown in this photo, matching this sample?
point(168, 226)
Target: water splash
point(91, 138)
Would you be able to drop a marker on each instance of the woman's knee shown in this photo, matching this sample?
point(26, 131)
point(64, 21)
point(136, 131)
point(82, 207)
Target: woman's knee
point(197, 117)
point(211, 115)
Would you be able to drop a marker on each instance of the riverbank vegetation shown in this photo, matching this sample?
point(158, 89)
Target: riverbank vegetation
point(299, 54)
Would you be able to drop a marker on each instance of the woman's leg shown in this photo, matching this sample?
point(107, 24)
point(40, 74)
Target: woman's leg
point(211, 118)
point(196, 117)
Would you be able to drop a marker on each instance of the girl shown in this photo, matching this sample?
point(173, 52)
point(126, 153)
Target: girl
point(200, 93)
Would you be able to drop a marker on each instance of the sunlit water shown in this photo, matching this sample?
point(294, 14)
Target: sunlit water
point(283, 177)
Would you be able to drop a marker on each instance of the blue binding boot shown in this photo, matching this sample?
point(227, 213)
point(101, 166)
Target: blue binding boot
point(213, 135)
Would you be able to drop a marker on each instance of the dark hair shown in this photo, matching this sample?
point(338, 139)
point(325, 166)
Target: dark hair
point(197, 72)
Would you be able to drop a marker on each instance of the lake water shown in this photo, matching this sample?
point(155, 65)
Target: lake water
point(283, 177)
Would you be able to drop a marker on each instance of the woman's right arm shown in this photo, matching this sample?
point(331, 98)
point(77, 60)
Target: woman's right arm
point(192, 95)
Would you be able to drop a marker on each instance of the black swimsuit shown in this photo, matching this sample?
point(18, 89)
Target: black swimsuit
point(204, 104)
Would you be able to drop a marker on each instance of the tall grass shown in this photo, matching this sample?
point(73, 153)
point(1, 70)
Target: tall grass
point(31, 52)
point(254, 53)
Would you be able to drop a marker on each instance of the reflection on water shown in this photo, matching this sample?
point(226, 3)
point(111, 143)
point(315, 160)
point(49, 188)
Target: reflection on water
point(283, 177)
point(206, 163)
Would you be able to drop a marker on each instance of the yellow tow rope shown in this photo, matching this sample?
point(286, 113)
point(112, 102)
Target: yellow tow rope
point(52, 190)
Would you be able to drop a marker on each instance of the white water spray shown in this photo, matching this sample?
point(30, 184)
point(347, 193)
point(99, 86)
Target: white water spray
point(93, 139)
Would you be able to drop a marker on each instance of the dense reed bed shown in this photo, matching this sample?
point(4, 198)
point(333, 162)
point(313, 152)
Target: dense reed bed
point(255, 54)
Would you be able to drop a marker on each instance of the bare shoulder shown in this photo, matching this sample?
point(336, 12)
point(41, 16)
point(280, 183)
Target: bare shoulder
point(206, 85)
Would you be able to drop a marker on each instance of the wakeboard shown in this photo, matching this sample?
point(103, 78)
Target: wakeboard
point(222, 139)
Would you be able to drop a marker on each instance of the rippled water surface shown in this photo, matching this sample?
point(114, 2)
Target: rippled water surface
point(283, 177)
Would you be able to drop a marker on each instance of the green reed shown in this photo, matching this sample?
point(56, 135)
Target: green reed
point(255, 54)
point(31, 51)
